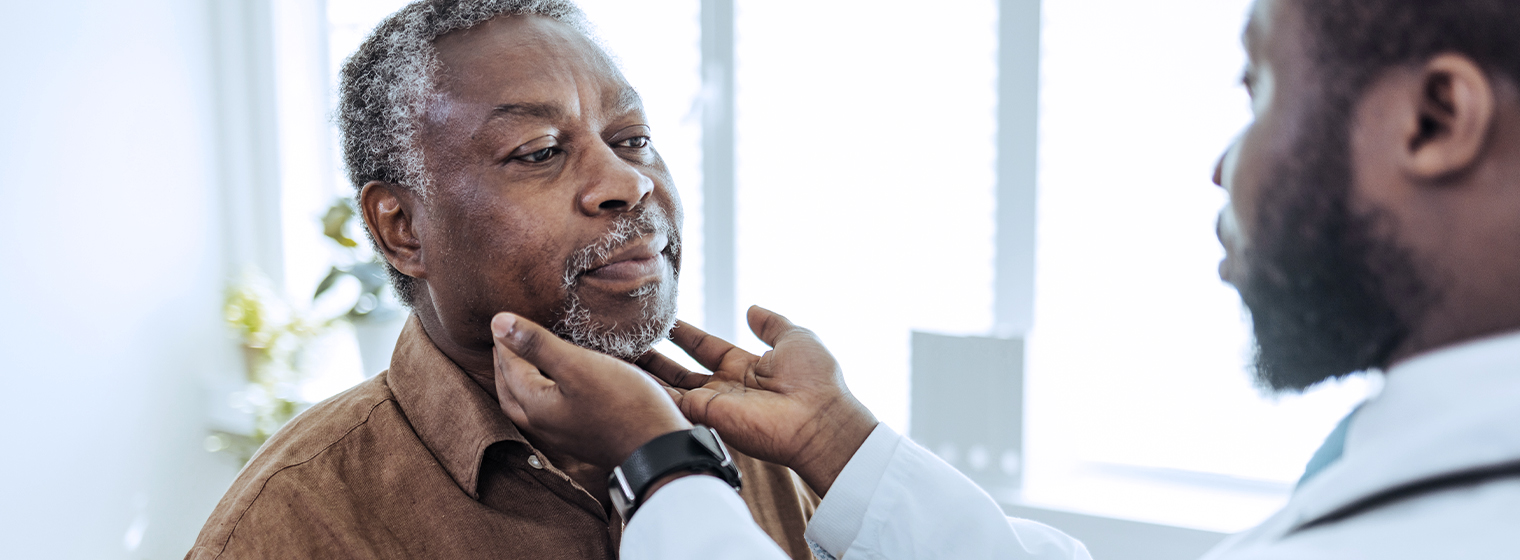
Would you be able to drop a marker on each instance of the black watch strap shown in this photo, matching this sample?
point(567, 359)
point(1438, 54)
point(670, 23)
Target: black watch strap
point(696, 450)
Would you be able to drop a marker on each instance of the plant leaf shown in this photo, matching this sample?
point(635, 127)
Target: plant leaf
point(327, 283)
point(335, 220)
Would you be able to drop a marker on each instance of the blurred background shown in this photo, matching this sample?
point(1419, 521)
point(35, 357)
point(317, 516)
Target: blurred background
point(997, 213)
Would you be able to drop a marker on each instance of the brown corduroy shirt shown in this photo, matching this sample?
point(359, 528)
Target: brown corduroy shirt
point(420, 462)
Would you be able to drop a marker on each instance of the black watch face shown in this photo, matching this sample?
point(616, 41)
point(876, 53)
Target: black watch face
point(709, 440)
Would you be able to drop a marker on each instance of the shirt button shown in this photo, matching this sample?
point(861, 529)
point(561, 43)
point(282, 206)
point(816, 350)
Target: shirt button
point(534, 462)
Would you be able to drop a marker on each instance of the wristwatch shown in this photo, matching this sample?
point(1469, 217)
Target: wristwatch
point(696, 450)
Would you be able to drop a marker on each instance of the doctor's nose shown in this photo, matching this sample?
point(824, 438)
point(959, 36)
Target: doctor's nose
point(1219, 169)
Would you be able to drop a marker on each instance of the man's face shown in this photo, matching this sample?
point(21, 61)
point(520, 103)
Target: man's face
point(1312, 261)
point(548, 198)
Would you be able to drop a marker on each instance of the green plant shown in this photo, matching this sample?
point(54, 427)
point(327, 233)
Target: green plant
point(273, 334)
point(273, 337)
point(367, 269)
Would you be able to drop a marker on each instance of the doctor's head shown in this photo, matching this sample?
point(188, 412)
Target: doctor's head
point(1375, 200)
point(504, 164)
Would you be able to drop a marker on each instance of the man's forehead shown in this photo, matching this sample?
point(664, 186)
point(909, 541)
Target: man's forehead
point(531, 66)
point(512, 32)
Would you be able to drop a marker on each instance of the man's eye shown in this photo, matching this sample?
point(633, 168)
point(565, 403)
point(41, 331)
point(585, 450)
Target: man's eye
point(540, 156)
point(635, 142)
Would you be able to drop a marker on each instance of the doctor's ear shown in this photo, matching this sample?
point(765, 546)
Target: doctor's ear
point(389, 211)
point(1449, 114)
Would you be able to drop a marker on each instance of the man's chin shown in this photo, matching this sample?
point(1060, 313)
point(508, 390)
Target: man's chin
point(624, 328)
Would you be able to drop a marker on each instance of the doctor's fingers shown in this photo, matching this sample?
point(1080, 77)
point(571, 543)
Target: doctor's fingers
point(556, 358)
point(521, 387)
point(669, 372)
point(706, 349)
point(770, 327)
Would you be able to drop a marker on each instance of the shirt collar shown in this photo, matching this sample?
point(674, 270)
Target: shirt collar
point(1443, 412)
point(453, 416)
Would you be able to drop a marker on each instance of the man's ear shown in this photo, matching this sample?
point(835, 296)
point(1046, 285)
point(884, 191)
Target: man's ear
point(388, 211)
point(1455, 112)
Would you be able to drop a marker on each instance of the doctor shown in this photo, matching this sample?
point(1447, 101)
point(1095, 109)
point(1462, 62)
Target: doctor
point(1374, 224)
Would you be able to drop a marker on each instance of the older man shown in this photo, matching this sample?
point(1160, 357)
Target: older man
point(503, 163)
point(1374, 223)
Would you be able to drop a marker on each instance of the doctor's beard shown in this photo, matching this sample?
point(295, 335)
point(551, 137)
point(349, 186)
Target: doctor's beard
point(1329, 290)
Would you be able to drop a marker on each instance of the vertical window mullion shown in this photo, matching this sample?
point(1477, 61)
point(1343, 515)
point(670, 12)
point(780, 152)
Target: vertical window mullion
point(718, 170)
point(1018, 100)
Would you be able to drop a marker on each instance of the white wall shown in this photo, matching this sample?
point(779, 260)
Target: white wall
point(112, 277)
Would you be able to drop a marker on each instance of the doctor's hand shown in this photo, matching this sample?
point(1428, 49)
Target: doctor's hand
point(590, 406)
point(788, 406)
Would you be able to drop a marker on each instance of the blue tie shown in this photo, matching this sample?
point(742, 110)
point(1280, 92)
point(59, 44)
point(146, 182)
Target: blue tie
point(1328, 452)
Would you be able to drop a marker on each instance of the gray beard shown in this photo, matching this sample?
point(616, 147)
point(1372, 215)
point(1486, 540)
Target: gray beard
point(579, 326)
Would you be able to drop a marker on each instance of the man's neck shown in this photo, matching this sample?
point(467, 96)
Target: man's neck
point(478, 363)
point(480, 366)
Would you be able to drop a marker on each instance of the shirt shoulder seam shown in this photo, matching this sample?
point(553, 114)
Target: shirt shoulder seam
point(223, 549)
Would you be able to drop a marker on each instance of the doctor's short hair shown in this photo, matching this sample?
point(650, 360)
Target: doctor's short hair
point(386, 86)
point(1353, 42)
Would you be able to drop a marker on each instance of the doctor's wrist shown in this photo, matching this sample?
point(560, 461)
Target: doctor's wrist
point(840, 431)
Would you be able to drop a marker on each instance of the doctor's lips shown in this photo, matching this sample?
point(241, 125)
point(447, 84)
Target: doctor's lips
point(1226, 240)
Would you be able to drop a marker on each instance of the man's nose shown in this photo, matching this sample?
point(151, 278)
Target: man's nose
point(612, 185)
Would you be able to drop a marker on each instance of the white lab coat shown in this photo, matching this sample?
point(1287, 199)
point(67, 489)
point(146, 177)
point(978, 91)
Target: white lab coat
point(1451, 411)
point(1438, 416)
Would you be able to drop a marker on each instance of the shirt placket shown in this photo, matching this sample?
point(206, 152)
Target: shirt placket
point(569, 490)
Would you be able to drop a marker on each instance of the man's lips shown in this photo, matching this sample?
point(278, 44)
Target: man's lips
point(634, 263)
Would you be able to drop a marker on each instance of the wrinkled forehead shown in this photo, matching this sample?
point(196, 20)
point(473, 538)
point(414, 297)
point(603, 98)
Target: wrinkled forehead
point(523, 56)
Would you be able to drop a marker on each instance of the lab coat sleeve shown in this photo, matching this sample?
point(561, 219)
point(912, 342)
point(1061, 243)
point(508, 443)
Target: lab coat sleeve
point(896, 500)
point(696, 517)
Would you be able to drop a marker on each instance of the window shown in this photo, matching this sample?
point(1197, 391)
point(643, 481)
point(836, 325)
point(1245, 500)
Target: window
point(1137, 361)
point(866, 176)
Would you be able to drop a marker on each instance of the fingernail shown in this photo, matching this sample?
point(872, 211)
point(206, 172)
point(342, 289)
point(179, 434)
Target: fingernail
point(502, 325)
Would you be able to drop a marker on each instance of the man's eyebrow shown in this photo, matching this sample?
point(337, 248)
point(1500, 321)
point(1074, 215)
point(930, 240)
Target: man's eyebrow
point(545, 111)
point(626, 100)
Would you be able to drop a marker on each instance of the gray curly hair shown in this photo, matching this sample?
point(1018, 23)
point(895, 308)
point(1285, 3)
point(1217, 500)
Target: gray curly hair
point(387, 84)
